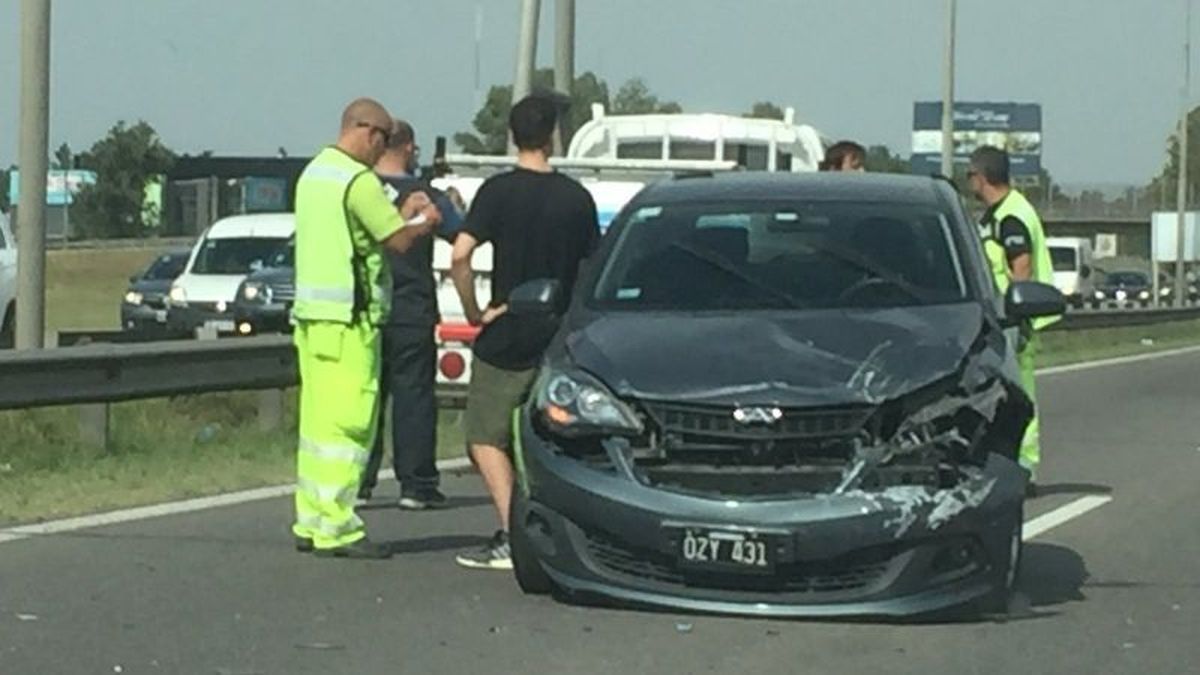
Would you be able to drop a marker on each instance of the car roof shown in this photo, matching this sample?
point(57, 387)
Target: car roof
point(784, 186)
point(258, 225)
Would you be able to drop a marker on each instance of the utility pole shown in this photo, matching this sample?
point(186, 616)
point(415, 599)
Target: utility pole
point(34, 142)
point(564, 60)
point(526, 54)
point(948, 93)
point(1185, 93)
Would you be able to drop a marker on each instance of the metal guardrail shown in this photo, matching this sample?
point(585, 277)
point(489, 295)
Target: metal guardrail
point(113, 366)
point(120, 244)
point(109, 373)
point(1085, 319)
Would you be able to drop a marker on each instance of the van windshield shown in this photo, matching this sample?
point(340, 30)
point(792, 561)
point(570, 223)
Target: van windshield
point(236, 255)
point(1063, 259)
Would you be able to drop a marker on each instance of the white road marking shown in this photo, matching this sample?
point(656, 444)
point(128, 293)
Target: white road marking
point(1067, 512)
point(174, 508)
point(1119, 361)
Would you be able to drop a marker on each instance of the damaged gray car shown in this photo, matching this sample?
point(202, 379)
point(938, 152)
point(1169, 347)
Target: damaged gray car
point(771, 394)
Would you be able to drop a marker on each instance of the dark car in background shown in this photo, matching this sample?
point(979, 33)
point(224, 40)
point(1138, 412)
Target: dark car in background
point(144, 307)
point(264, 300)
point(789, 395)
point(1127, 288)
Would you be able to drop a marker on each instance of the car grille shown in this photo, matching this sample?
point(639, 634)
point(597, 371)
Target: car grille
point(155, 301)
point(704, 450)
point(283, 291)
point(855, 571)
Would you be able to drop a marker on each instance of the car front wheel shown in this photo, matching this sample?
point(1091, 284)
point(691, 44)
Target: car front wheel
point(996, 602)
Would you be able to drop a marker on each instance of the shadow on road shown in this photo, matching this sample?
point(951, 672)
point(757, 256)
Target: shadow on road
point(433, 544)
point(385, 503)
point(1051, 575)
point(1074, 489)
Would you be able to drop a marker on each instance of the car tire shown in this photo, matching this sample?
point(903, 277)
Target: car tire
point(532, 579)
point(997, 601)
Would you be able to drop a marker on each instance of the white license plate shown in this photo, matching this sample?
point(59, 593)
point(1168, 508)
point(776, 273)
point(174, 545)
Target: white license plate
point(699, 547)
point(220, 326)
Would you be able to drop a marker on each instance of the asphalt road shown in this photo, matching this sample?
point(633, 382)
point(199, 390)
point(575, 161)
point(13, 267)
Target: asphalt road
point(1115, 590)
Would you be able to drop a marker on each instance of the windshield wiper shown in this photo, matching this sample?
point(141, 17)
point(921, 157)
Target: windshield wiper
point(727, 267)
point(862, 262)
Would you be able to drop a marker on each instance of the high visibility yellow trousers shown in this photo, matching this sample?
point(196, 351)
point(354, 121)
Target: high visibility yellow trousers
point(339, 399)
point(1031, 451)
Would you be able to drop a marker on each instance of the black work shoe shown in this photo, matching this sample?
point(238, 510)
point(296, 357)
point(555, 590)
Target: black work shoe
point(364, 495)
point(362, 549)
point(496, 555)
point(304, 544)
point(419, 500)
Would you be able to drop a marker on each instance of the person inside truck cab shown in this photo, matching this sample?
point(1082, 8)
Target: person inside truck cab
point(844, 156)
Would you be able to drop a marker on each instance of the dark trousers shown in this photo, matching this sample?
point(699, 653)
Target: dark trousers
point(407, 381)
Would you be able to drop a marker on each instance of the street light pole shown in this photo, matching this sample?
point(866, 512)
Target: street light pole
point(526, 53)
point(34, 142)
point(564, 59)
point(1185, 92)
point(948, 93)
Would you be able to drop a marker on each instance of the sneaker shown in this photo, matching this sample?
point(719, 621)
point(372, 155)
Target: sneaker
point(418, 500)
point(495, 555)
point(304, 544)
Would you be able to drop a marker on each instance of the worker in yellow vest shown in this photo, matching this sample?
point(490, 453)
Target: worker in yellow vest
point(344, 220)
point(1015, 244)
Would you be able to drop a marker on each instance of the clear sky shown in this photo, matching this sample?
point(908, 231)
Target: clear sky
point(249, 76)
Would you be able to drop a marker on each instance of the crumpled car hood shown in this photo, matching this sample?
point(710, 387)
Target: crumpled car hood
point(803, 359)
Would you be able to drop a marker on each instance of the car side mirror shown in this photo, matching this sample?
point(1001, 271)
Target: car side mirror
point(534, 298)
point(256, 265)
point(1030, 300)
point(134, 279)
point(1085, 271)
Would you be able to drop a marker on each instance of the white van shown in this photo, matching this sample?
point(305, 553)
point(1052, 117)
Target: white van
point(231, 248)
point(8, 280)
point(1071, 258)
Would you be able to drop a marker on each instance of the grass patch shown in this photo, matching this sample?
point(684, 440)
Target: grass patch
point(84, 288)
point(160, 450)
point(1064, 347)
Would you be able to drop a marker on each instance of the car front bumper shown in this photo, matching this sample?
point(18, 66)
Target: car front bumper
point(187, 319)
point(892, 553)
point(262, 318)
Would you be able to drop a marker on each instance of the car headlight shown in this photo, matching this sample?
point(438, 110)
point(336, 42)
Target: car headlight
point(222, 306)
point(1164, 291)
point(1144, 295)
point(133, 298)
point(573, 403)
point(256, 292)
point(178, 296)
point(1099, 295)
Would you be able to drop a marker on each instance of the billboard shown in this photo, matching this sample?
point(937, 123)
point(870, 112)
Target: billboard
point(61, 186)
point(1015, 127)
point(1164, 226)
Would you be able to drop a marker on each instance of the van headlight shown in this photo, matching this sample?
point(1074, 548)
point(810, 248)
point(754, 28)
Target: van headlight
point(1144, 295)
point(1164, 291)
point(573, 403)
point(133, 298)
point(178, 296)
point(1099, 295)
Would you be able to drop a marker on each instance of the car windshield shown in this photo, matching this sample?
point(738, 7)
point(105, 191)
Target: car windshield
point(166, 267)
point(235, 255)
point(701, 257)
point(284, 257)
point(1062, 259)
point(1128, 279)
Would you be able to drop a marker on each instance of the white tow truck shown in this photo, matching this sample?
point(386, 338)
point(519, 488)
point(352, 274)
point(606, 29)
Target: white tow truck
point(614, 157)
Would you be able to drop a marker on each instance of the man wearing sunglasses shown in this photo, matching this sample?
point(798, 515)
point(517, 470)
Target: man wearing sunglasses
point(409, 349)
point(344, 222)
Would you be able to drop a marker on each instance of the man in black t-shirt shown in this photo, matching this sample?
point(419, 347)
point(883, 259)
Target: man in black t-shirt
point(541, 225)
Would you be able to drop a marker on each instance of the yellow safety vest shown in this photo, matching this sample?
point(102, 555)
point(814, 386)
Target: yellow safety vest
point(1015, 204)
point(341, 275)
